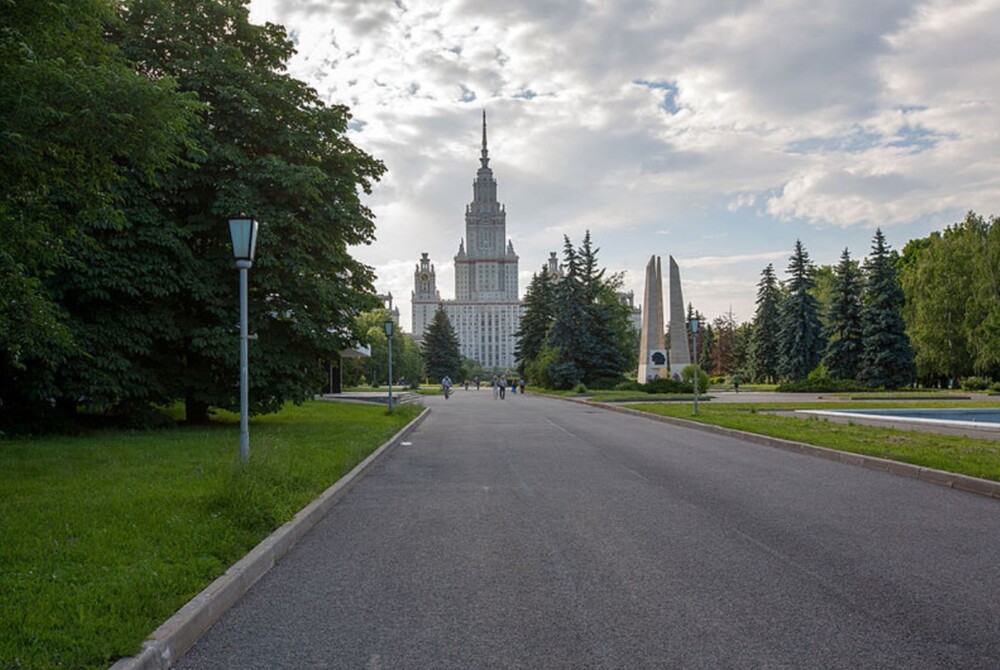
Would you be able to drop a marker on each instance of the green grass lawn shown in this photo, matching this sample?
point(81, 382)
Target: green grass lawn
point(963, 455)
point(103, 537)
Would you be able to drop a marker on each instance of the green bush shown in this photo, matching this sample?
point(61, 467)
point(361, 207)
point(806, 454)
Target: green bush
point(687, 374)
point(975, 384)
point(580, 388)
point(823, 385)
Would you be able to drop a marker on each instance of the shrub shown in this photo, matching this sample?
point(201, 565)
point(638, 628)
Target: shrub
point(666, 386)
point(975, 384)
point(823, 385)
point(580, 388)
point(605, 383)
point(687, 374)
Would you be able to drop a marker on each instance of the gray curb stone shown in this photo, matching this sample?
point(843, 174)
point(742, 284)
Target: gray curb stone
point(180, 632)
point(983, 487)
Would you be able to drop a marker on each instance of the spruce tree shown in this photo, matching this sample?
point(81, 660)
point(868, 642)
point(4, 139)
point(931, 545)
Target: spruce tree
point(605, 360)
point(800, 331)
point(762, 349)
point(886, 356)
point(569, 336)
point(441, 352)
point(843, 331)
point(537, 319)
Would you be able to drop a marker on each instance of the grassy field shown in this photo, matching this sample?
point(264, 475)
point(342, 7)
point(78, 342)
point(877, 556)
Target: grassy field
point(103, 537)
point(963, 455)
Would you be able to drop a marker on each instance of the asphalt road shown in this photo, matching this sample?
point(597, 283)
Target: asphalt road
point(536, 533)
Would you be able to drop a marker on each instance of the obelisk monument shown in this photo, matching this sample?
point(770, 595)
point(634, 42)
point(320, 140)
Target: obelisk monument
point(680, 355)
point(652, 342)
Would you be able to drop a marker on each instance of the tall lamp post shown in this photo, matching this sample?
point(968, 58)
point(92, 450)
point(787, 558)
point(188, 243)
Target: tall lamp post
point(694, 331)
point(387, 326)
point(244, 237)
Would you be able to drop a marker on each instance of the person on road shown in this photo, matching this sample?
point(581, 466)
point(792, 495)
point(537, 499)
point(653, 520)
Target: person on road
point(520, 383)
point(495, 385)
point(503, 387)
point(446, 386)
point(736, 382)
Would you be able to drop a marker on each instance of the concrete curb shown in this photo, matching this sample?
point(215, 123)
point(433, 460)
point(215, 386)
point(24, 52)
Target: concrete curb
point(983, 487)
point(180, 632)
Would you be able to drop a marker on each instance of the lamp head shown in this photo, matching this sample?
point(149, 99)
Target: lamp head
point(243, 233)
point(387, 327)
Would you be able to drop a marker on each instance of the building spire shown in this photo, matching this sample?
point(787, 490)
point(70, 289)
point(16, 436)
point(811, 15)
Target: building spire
point(485, 155)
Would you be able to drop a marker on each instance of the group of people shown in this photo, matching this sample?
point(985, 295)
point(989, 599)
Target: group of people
point(498, 384)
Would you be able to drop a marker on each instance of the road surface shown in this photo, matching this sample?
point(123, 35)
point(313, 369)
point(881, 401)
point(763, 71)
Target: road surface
point(537, 533)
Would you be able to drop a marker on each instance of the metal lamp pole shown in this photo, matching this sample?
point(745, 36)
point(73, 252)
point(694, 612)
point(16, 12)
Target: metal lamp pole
point(244, 237)
point(694, 331)
point(387, 326)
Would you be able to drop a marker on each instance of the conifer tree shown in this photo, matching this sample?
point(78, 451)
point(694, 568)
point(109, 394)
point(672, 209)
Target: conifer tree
point(762, 349)
point(537, 319)
point(605, 360)
point(441, 352)
point(886, 356)
point(843, 332)
point(800, 332)
point(569, 336)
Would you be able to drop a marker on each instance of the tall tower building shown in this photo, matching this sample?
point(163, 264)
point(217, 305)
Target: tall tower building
point(486, 311)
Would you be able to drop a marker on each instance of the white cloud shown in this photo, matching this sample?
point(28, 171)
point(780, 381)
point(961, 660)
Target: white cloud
point(722, 129)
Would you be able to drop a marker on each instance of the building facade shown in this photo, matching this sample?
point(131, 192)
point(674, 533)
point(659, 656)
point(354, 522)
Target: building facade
point(486, 311)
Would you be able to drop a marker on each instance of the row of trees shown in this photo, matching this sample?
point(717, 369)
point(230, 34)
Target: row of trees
point(861, 336)
point(574, 328)
point(130, 131)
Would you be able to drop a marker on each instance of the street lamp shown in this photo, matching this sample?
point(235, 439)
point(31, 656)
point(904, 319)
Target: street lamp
point(387, 326)
point(243, 233)
point(694, 331)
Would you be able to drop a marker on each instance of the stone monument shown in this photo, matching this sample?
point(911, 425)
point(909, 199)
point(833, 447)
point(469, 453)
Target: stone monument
point(652, 343)
point(680, 355)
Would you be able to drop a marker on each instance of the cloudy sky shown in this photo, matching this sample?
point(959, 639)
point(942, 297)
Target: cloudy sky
point(718, 132)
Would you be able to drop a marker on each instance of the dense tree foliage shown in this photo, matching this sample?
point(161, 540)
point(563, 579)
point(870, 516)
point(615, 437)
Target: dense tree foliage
point(132, 131)
point(799, 332)
point(952, 284)
point(843, 320)
point(441, 351)
point(269, 147)
point(886, 356)
point(79, 132)
point(763, 348)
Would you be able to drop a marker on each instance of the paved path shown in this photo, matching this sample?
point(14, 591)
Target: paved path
point(536, 533)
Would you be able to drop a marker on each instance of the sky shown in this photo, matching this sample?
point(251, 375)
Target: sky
point(718, 132)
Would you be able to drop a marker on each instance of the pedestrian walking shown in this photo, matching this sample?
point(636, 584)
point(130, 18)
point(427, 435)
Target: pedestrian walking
point(503, 387)
point(521, 384)
point(495, 385)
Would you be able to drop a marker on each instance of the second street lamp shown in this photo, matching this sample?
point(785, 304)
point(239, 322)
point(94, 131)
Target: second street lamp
point(387, 326)
point(243, 233)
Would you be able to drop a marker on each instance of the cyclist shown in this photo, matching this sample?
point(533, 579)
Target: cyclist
point(446, 385)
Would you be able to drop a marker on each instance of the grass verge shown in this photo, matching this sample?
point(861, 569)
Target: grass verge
point(952, 453)
point(103, 537)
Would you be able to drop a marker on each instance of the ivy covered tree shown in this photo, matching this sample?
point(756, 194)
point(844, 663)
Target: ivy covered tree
point(539, 308)
point(763, 350)
point(800, 332)
point(441, 351)
point(886, 357)
point(843, 330)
